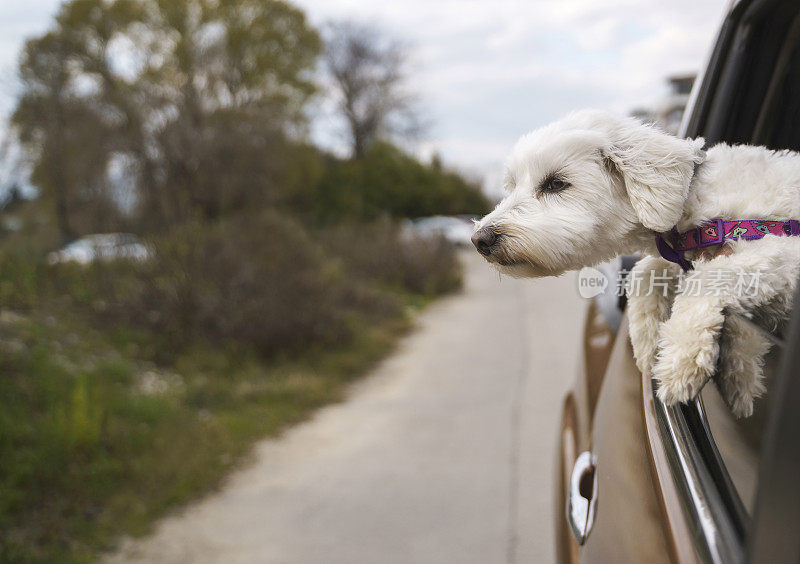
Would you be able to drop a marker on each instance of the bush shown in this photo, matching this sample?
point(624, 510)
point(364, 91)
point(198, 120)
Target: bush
point(19, 279)
point(256, 281)
point(382, 253)
point(387, 182)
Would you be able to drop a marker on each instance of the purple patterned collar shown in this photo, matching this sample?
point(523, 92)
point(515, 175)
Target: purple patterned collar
point(672, 245)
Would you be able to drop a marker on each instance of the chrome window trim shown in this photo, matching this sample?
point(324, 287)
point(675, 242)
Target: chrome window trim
point(714, 462)
point(718, 537)
point(715, 512)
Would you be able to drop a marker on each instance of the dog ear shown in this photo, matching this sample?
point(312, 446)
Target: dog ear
point(657, 169)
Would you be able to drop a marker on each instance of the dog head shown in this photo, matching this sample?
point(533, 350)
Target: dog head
point(582, 189)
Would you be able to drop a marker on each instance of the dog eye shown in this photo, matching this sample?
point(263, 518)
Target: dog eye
point(554, 185)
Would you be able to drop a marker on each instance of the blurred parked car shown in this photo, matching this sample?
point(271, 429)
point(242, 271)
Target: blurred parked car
point(101, 246)
point(456, 230)
point(639, 481)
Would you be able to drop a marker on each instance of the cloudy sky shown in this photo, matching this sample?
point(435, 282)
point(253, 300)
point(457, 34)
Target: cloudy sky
point(487, 71)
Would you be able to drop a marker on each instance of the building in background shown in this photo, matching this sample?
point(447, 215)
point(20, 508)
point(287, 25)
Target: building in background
point(669, 111)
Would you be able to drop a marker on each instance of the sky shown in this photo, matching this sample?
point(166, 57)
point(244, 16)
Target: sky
point(486, 72)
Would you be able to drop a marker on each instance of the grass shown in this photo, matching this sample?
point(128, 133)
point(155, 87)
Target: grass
point(96, 442)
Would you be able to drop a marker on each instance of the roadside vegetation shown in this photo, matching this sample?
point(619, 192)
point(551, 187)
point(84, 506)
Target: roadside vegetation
point(277, 272)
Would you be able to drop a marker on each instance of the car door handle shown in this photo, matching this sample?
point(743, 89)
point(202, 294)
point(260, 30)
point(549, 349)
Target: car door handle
point(582, 496)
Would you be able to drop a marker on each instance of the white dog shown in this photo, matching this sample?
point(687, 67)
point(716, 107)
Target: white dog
point(593, 185)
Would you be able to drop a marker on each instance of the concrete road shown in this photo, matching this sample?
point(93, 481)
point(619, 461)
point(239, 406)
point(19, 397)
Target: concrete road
point(443, 455)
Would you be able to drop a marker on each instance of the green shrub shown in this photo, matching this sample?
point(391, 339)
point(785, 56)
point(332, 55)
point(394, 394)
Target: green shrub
point(387, 182)
point(20, 279)
point(257, 281)
point(381, 252)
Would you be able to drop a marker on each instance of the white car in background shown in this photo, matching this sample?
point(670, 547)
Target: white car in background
point(101, 246)
point(455, 230)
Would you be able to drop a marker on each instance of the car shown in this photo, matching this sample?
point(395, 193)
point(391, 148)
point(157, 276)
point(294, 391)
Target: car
point(638, 481)
point(101, 246)
point(456, 230)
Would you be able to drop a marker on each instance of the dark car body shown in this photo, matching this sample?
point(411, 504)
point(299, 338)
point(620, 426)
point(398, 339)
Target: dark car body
point(638, 481)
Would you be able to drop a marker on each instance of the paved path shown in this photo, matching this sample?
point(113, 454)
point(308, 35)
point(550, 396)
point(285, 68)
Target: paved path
point(443, 455)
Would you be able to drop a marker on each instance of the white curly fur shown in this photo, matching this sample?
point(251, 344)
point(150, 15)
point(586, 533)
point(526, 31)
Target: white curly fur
point(627, 180)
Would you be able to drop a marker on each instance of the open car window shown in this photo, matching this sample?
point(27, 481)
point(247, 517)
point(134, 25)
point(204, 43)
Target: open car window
point(749, 94)
point(760, 88)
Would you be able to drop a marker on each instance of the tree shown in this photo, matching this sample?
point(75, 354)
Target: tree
point(389, 182)
point(190, 102)
point(43, 117)
point(368, 72)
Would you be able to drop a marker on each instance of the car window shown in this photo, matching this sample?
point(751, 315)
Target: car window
point(751, 91)
point(756, 101)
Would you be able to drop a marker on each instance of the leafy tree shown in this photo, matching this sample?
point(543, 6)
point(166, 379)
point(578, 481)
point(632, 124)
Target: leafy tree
point(186, 105)
point(42, 114)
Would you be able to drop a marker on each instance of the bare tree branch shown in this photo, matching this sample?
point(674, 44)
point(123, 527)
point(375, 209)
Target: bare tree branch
point(369, 74)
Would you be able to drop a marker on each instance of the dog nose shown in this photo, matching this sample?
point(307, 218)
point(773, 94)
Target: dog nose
point(483, 239)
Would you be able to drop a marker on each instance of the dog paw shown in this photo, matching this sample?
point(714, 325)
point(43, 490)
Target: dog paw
point(679, 382)
point(739, 401)
point(683, 366)
point(688, 349)
point(741, 370)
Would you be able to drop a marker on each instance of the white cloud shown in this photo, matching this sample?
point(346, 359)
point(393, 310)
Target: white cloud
point(489, 71)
